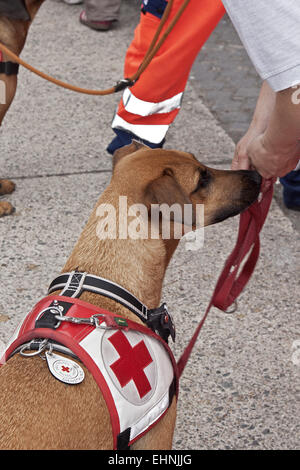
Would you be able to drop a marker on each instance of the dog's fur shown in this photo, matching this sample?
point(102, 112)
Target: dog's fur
point(13, 33)
point(39, 412)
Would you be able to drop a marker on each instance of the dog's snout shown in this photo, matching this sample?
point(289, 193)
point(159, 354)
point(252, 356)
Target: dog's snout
point(252, 176)
point(256, 177)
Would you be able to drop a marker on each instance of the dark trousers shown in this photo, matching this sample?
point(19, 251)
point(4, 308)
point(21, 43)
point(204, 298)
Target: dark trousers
point(291, 189)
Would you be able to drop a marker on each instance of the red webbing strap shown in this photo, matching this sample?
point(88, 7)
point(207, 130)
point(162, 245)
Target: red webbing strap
point(231, 283)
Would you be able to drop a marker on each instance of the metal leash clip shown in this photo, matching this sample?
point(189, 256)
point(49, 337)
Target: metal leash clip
point(91, 321)
point(124, 83)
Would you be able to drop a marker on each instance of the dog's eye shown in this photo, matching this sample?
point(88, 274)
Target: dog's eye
point(203, 181)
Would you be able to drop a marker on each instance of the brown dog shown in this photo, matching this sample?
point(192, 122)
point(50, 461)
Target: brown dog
point(39, 412)
point(16, 17)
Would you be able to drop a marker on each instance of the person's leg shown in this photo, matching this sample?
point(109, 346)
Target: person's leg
point(291, 190)
point(102, 10)
point(149, 107)
point(100, 14)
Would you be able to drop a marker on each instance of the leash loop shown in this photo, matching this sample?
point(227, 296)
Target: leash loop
point(230, 284)
point(232, 309)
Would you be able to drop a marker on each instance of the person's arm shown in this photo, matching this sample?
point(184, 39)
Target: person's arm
point(260, 120)
point(276, 152)
point(277, 60)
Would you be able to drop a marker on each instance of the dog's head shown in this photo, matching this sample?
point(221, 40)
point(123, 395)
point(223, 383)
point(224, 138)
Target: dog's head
point(155, 177)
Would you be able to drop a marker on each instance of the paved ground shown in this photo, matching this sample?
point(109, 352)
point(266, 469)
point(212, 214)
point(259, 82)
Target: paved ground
point(239, 390)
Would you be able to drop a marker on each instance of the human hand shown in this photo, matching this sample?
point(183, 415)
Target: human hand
point(241, 159)
point(272, 162)
point(254, 151)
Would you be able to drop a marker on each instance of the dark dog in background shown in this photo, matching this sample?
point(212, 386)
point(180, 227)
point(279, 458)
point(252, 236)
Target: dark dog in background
point(16, 17)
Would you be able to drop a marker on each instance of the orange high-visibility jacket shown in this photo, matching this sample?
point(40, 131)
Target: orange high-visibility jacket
point(147, 109)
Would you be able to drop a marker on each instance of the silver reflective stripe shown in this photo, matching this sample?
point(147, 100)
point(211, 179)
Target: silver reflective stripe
point(146, 421)
point(146, 108)
point(154, 134)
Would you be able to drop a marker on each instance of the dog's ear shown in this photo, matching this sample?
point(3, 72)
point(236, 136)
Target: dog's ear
point(167, 190)
point(127, 150)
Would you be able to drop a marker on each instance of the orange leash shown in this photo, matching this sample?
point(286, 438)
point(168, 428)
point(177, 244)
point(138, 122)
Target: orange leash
point(17, 59)
point(124, 83)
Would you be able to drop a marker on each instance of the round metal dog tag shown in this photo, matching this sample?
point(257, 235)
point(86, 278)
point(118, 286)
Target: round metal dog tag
point(63, 369)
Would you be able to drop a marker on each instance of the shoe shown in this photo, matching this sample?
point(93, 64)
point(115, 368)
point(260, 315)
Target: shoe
point(97, 25)
point(125, 138)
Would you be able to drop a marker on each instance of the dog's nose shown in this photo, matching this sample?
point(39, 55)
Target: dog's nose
point(256, 177)
point(252, 176)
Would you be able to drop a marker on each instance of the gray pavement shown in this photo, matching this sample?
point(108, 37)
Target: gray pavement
point(240, 389)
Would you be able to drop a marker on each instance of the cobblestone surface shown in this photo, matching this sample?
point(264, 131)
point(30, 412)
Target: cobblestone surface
point(228, 84)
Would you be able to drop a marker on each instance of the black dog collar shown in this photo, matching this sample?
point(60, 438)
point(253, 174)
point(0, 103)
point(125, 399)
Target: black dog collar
point(8, 68)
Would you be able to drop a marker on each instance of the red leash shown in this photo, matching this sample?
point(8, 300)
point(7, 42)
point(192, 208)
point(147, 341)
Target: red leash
point(231, 283)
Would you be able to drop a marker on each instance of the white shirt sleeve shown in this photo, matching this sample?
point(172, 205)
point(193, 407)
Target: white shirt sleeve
point(270, 32)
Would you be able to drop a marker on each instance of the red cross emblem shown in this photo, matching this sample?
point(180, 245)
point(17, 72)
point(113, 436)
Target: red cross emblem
point(131, 363)
point(65, 369)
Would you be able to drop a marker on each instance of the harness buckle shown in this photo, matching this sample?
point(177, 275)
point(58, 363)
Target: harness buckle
point(52, 316)
point(161, 321)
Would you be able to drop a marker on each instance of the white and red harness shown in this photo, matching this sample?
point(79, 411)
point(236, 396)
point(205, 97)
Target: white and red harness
point(133, 366)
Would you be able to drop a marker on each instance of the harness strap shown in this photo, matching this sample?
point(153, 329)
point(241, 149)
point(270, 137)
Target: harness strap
point(75, 282)
point(8, 68)
point(230, 284)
